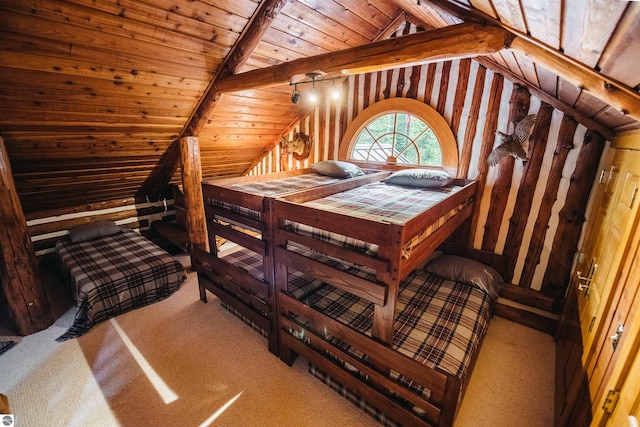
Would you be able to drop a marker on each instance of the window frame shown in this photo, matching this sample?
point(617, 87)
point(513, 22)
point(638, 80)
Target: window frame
point(433, 119)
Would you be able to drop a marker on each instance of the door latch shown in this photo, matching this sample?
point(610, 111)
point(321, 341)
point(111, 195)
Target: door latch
point(585, 281)
point(616, 337)
point(610, 401)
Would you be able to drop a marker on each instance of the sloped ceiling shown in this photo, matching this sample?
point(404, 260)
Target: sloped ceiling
point(93, 93)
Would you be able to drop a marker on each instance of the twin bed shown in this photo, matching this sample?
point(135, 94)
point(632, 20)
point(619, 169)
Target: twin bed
point(111, 271)
point(335, 272)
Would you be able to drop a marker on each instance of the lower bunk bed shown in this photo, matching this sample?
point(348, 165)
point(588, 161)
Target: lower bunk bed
point(417, 380)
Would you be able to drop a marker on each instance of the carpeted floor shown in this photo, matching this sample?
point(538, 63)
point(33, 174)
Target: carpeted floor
point(211, 369)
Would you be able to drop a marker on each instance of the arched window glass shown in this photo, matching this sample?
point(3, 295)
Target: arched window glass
point(398, 137)
point(402, 131)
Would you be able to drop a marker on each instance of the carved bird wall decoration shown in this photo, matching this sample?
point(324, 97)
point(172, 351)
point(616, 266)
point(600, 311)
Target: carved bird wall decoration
point(512, 143)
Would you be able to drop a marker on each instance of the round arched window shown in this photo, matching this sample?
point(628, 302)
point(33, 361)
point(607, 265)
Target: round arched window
point(403, 131)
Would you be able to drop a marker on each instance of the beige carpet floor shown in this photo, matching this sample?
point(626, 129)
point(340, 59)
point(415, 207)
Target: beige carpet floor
point(181, 362)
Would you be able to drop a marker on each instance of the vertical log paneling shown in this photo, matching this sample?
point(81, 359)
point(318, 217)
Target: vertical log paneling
point(386, 91)
point(524, 200)
point(367, 90)
point(490, 127)
point(19, 276)
point(563, 146)
point(428, 88)
point(461, 93)
point(400, 86)
point(565, 242)
point(444, 87)
point(519, 107)
point(472, 123)
point(414, 82)
point(356, 95)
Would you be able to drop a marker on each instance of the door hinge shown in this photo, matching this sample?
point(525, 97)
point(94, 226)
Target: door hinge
point(611, 400)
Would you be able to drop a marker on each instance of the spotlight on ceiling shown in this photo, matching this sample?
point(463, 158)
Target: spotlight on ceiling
point(313, 96)
point(295, 96)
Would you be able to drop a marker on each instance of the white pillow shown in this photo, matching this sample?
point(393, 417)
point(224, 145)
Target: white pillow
point(337, 169)
point(422, 178)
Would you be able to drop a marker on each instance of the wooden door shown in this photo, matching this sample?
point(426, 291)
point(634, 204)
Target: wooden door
point(628, 400)
point(617, 323)
point(603, 248)
point(618, 396)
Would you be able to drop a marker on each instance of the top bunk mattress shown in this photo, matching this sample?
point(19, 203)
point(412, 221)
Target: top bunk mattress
point(383, 203)
point(274, 188)
point(280, 186)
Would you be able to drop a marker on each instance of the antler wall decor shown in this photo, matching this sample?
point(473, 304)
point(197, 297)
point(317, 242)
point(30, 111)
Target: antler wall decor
point(512, 143)
point(299, 146)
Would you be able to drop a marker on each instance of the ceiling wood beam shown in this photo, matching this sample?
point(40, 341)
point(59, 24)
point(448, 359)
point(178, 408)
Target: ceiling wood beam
point(457, 41)
point(161, 175)
point(554, 102)
point(618, 95)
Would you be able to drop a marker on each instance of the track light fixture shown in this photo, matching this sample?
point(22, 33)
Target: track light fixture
point(313, 95)
point(295, 96)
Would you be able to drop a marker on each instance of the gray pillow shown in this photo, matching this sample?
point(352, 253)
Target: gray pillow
point(337, 169)
point(421, 178)
point(91, 231)
point(474, 273)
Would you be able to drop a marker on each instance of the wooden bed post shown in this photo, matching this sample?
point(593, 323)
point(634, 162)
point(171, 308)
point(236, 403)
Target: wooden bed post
point(192, 188)
point(23, 287)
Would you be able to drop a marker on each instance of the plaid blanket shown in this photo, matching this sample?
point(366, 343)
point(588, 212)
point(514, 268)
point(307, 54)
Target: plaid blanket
point(115, 274)
point(439, 323)
point(278, 187)
point(274, 188)
point(380, 202)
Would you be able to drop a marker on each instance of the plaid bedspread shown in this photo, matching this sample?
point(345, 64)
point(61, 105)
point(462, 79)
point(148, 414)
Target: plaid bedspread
point(439, 323)
point(115, 274)
point(380, 202)
point(274, 188)
point(277, 187)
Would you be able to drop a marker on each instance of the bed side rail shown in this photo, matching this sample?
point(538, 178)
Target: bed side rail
point(211, 266)
point(374, 385)
point(357, 228)
point(421, 222)
point(213, 192)
point(371, 291)
point(427, 246)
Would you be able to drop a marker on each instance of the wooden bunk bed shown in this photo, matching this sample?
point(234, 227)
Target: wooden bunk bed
point(353, 330)
point(239, 211)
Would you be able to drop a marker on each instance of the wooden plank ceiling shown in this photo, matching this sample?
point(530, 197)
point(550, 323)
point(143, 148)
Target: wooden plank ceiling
point(93, 93)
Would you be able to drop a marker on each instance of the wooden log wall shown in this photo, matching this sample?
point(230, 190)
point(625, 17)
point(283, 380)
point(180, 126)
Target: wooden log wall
point(46, 227)
point(519, 221)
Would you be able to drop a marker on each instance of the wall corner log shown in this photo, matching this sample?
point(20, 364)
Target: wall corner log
point(191, 167)
point(19, 275)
